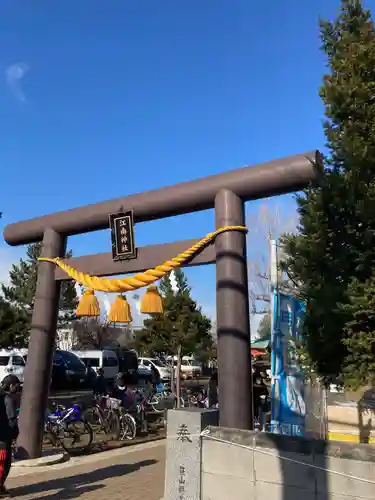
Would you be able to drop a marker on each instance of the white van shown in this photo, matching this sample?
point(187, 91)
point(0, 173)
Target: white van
point(96, 359)
point(190, 368)
point(13, 362)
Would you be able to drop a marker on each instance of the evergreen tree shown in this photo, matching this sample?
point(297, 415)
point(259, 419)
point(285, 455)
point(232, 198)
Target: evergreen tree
point(264, 327)
point(182, 282)
point(334, 252)
point(359, 339)
point(182, 327)
point(12, 326)
point(165, 286)
point(20, 294)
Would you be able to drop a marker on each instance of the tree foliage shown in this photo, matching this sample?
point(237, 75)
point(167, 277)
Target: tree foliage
point(19, 296)
point(359, 334)
point(264, 327)
point(181, 324)
point(333, 258)
point(12, 325)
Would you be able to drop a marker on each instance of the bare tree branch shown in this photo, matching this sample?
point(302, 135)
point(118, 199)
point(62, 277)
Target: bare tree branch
point(268, 222)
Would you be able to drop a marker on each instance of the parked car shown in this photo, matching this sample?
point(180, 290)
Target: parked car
point(144, 374)
point(190, 368)
point(104, 358)
point(68, 370)
point(12, 362)
point(144, 371)
point(164, 371)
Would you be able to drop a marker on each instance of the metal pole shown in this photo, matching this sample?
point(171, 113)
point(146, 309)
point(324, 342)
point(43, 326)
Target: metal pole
point(41, 348)
point(233, 318)
point(275, 339)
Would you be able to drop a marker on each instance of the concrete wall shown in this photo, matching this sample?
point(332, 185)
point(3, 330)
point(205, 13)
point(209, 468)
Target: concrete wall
point(248, 465)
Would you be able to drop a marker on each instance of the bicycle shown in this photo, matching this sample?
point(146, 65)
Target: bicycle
point(105, 418)
point(192, 399)
point(141, 408)
point(66, 427)
point(128, 425)
point(157, 400)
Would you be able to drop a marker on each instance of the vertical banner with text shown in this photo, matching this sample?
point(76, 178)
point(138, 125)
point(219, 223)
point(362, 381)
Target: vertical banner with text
point(288, 409)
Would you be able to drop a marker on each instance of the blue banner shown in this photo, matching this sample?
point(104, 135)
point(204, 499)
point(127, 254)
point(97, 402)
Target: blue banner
point(288, 409)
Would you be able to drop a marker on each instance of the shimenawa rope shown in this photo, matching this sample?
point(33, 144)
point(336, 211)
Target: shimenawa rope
point(130, 283)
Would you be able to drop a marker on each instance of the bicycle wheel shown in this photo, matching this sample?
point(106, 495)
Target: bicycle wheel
point(113, 426)
point(94, 418)
point(169, 401)
point(76, 436)
point(156, 403)
point(49, 436)
point(128, 427)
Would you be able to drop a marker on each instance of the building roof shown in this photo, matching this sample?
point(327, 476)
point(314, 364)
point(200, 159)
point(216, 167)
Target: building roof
point(261, 343)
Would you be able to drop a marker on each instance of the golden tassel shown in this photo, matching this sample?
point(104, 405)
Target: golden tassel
point(88, 305)
point(152, 302)
point(120, 311)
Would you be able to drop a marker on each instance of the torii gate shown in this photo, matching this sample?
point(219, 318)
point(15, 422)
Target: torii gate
point(227, 194)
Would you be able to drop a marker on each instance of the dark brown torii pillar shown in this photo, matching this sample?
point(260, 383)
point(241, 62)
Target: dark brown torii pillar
point(41, 347)
point(232, 312)
point(227, 193)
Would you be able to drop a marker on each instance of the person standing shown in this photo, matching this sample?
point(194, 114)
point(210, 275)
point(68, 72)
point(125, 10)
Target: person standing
point(9, 405)
point(101, 384)
point(260, 394)
point(213, 391)
point(122, 392)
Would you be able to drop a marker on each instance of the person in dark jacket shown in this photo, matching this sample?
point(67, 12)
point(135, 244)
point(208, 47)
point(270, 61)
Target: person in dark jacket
point(213, 390)
point(122, 392)
point(9, 405)
point(155, 376)
point(259, 391)
point(101, 384)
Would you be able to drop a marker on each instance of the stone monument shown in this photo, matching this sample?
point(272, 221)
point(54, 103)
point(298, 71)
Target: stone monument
point(183, 451)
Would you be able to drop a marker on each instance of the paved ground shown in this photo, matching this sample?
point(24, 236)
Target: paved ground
point(136, 474)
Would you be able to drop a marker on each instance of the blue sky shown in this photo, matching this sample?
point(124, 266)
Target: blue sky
point(104, 99)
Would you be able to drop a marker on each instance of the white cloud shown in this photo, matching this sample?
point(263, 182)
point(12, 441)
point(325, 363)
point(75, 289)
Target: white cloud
point(14, 75)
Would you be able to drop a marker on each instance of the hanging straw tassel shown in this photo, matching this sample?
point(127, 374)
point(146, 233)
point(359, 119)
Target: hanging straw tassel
point(88, 305)
point(120, 311)
point(152, 302)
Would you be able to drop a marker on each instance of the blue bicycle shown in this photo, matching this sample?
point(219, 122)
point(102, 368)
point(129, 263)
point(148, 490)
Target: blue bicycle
point(67, 428)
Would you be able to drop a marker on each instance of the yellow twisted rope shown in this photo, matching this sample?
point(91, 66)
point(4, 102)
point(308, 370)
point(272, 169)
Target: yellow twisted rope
point(129, 283)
